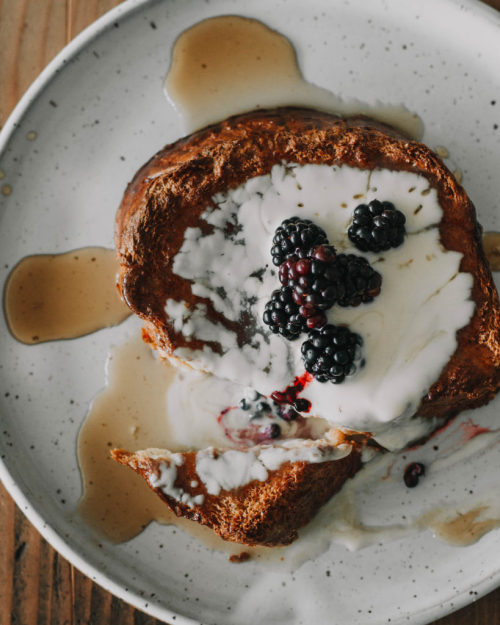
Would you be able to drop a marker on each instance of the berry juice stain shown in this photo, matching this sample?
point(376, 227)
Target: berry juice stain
point(290, 395)
point(471, 430)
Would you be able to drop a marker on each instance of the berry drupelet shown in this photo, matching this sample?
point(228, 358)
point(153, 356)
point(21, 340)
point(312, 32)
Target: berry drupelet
point(361, 282)
point(332, 353)
point(282, 314)
point(377, 226)
point(295, 236)
point(315, 281)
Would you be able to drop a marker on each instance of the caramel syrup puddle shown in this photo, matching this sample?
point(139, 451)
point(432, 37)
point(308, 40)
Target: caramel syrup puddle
point(491, 244)
point(63, 296)
point(229, 64)
point(463, 529)
point(129, 413)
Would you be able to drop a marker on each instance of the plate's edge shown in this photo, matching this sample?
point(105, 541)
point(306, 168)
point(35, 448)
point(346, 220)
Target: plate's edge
point(478, 5)
point(56, 540)
point(126, 8)
point(76, 45)
point(60, 544)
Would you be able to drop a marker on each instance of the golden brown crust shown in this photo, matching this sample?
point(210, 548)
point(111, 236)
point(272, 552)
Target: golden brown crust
point(260, 513)
point(171, 191)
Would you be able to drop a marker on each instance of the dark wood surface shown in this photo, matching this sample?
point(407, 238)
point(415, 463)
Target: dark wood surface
point(37, 585)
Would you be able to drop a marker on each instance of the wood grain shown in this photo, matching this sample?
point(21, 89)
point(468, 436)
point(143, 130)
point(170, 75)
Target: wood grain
point(37, 586)
point(31, 33)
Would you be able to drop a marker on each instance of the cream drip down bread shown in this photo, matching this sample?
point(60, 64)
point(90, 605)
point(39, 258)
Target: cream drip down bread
point(194, 234)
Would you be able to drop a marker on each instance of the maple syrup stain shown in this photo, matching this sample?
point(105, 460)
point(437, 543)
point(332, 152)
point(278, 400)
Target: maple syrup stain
point(491, 245)
point(130, 412)
point(229, 64)
point(465, 529)
point(231, 61)
point(63, 296)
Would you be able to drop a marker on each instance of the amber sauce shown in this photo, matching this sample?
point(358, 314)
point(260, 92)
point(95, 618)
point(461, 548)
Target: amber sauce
point(63, 296)
point(130, 413)
point(491, 244)
point(227, 65)
point(463, 529)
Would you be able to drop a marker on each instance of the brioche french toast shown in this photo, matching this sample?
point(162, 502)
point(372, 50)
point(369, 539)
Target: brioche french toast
point(172, 195)
point(260, 512)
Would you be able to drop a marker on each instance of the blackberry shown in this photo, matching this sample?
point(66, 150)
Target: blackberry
point(295, 236)
point(302, 405)
point(332, 353)
point(361, 282)
point(413, 473)
point(282, 314)
point(316, 283)
point(377, 226)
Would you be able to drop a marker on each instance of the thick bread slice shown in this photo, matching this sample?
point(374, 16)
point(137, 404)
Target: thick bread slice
point(171, 191)
point(259, 513)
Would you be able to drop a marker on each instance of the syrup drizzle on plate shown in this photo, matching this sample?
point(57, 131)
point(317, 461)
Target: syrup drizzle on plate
point(491, 244)
point(129, 413)
point(63, 296)
point(465, 528)
point(229, 64)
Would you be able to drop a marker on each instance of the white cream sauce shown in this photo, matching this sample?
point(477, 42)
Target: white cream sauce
point(409, 331)
point(135, 411)
point(205, 86)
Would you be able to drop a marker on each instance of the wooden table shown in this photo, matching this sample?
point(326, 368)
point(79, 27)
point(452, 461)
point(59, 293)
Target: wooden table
point(37, 585)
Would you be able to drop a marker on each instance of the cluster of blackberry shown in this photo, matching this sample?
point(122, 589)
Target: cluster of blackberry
point(314, 278)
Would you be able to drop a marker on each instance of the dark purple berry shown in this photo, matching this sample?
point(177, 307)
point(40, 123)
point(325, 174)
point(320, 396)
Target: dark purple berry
point(361, 282)
point(325, 253)
point(316, 282)
point(282, 314)
point(332, 353)
point(295, 236)
point(413, 473)
point(316, 321)
point(302, 405)
point(287, 412)
point(377, 226)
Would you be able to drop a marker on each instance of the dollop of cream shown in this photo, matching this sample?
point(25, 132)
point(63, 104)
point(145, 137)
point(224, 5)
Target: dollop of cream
point(409, 331)
point(165, 481)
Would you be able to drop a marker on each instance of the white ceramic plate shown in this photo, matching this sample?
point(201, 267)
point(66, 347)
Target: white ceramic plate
point(99, 112)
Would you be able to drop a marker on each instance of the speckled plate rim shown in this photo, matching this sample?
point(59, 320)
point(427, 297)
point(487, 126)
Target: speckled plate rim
point(454, 602)
point(55, 539)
